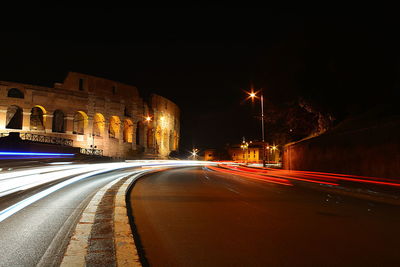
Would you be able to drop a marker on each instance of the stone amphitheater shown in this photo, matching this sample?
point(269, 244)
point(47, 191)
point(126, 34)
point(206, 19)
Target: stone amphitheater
point(100, 116)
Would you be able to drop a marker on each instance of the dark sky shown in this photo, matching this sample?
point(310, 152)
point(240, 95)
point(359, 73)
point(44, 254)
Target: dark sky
point(203, 58)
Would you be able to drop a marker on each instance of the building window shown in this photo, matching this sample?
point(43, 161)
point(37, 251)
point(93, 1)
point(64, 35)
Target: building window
point(126, 112)
point(15, 93)
point(81, 85)
point(114, 90)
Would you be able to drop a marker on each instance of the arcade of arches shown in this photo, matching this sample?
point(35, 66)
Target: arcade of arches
point(109, 119)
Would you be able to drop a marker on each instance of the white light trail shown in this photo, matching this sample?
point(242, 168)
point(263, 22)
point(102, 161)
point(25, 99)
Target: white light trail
point(22, 180)
point(4, 214)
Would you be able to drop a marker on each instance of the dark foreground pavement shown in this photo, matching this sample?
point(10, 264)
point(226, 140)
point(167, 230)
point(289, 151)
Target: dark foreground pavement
point(198, 217)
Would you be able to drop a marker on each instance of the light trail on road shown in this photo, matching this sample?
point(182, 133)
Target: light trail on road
point(312, 177)
point(12, 182)
point(36, 222)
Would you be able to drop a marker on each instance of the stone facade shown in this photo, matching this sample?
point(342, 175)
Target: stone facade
point(94, 113)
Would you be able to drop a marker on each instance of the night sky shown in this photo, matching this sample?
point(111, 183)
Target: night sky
point(203, 59)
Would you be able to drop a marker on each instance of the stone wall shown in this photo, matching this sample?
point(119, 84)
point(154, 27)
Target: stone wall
point(166, 125)
point(373, 151)
point(93, 112)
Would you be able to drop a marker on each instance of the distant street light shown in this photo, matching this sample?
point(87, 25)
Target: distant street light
point(244, 146)
point(194, 153)
point(253, 95)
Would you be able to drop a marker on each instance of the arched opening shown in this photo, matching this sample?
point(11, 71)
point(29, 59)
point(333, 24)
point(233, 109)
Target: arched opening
point(37, 119)
point(150, 138)
point(98, 124)
point(126, 112)
point(80, 122)
point(58, 125)
point(15, 93)
point(14, 118)
point(139, 133)
point(128, 131)
point(114, 127)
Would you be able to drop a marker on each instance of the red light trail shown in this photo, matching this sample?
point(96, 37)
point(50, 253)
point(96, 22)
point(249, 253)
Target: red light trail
point(269, 174)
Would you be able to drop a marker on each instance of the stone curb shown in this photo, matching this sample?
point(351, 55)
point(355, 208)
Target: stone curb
point(125, 250)
point(78, 245)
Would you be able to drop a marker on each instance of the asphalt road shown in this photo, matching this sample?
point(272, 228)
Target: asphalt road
point(198, 217)
point(39, 233)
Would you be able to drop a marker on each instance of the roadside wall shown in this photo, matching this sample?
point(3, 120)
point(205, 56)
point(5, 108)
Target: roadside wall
point(373, 151)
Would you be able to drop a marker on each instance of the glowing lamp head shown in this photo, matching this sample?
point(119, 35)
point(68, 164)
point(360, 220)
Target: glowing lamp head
point(148, 118)
point(252, 95)
point(194, 151)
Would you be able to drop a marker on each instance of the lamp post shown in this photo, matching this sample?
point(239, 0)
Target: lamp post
point(245, 146)
point(253, 95)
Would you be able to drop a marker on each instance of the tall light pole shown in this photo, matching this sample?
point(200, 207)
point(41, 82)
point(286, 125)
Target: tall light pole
point(253, 95)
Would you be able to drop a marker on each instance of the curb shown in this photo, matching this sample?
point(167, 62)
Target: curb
point(125, 249)
point(78, 244)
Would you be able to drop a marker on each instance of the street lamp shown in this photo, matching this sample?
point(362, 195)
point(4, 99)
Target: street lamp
point(273, 148)
point(194, 153)
point(253, 95)
point(244, 146)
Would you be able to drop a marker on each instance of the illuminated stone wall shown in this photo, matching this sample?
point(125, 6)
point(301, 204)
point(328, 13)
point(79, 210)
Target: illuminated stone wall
point(166, 126)
point(93, 112)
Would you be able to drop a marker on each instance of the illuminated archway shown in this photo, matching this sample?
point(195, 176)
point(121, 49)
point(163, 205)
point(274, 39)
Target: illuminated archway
point(80, 122)
point(14, 117)
point(58, 125)
point(113, 130)
point(128, 131)
point(37, 119)
point(99, 123)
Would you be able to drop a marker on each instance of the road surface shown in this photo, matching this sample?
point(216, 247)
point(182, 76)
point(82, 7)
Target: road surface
point(37, 233)
point(200, 217)
point(40, 205)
